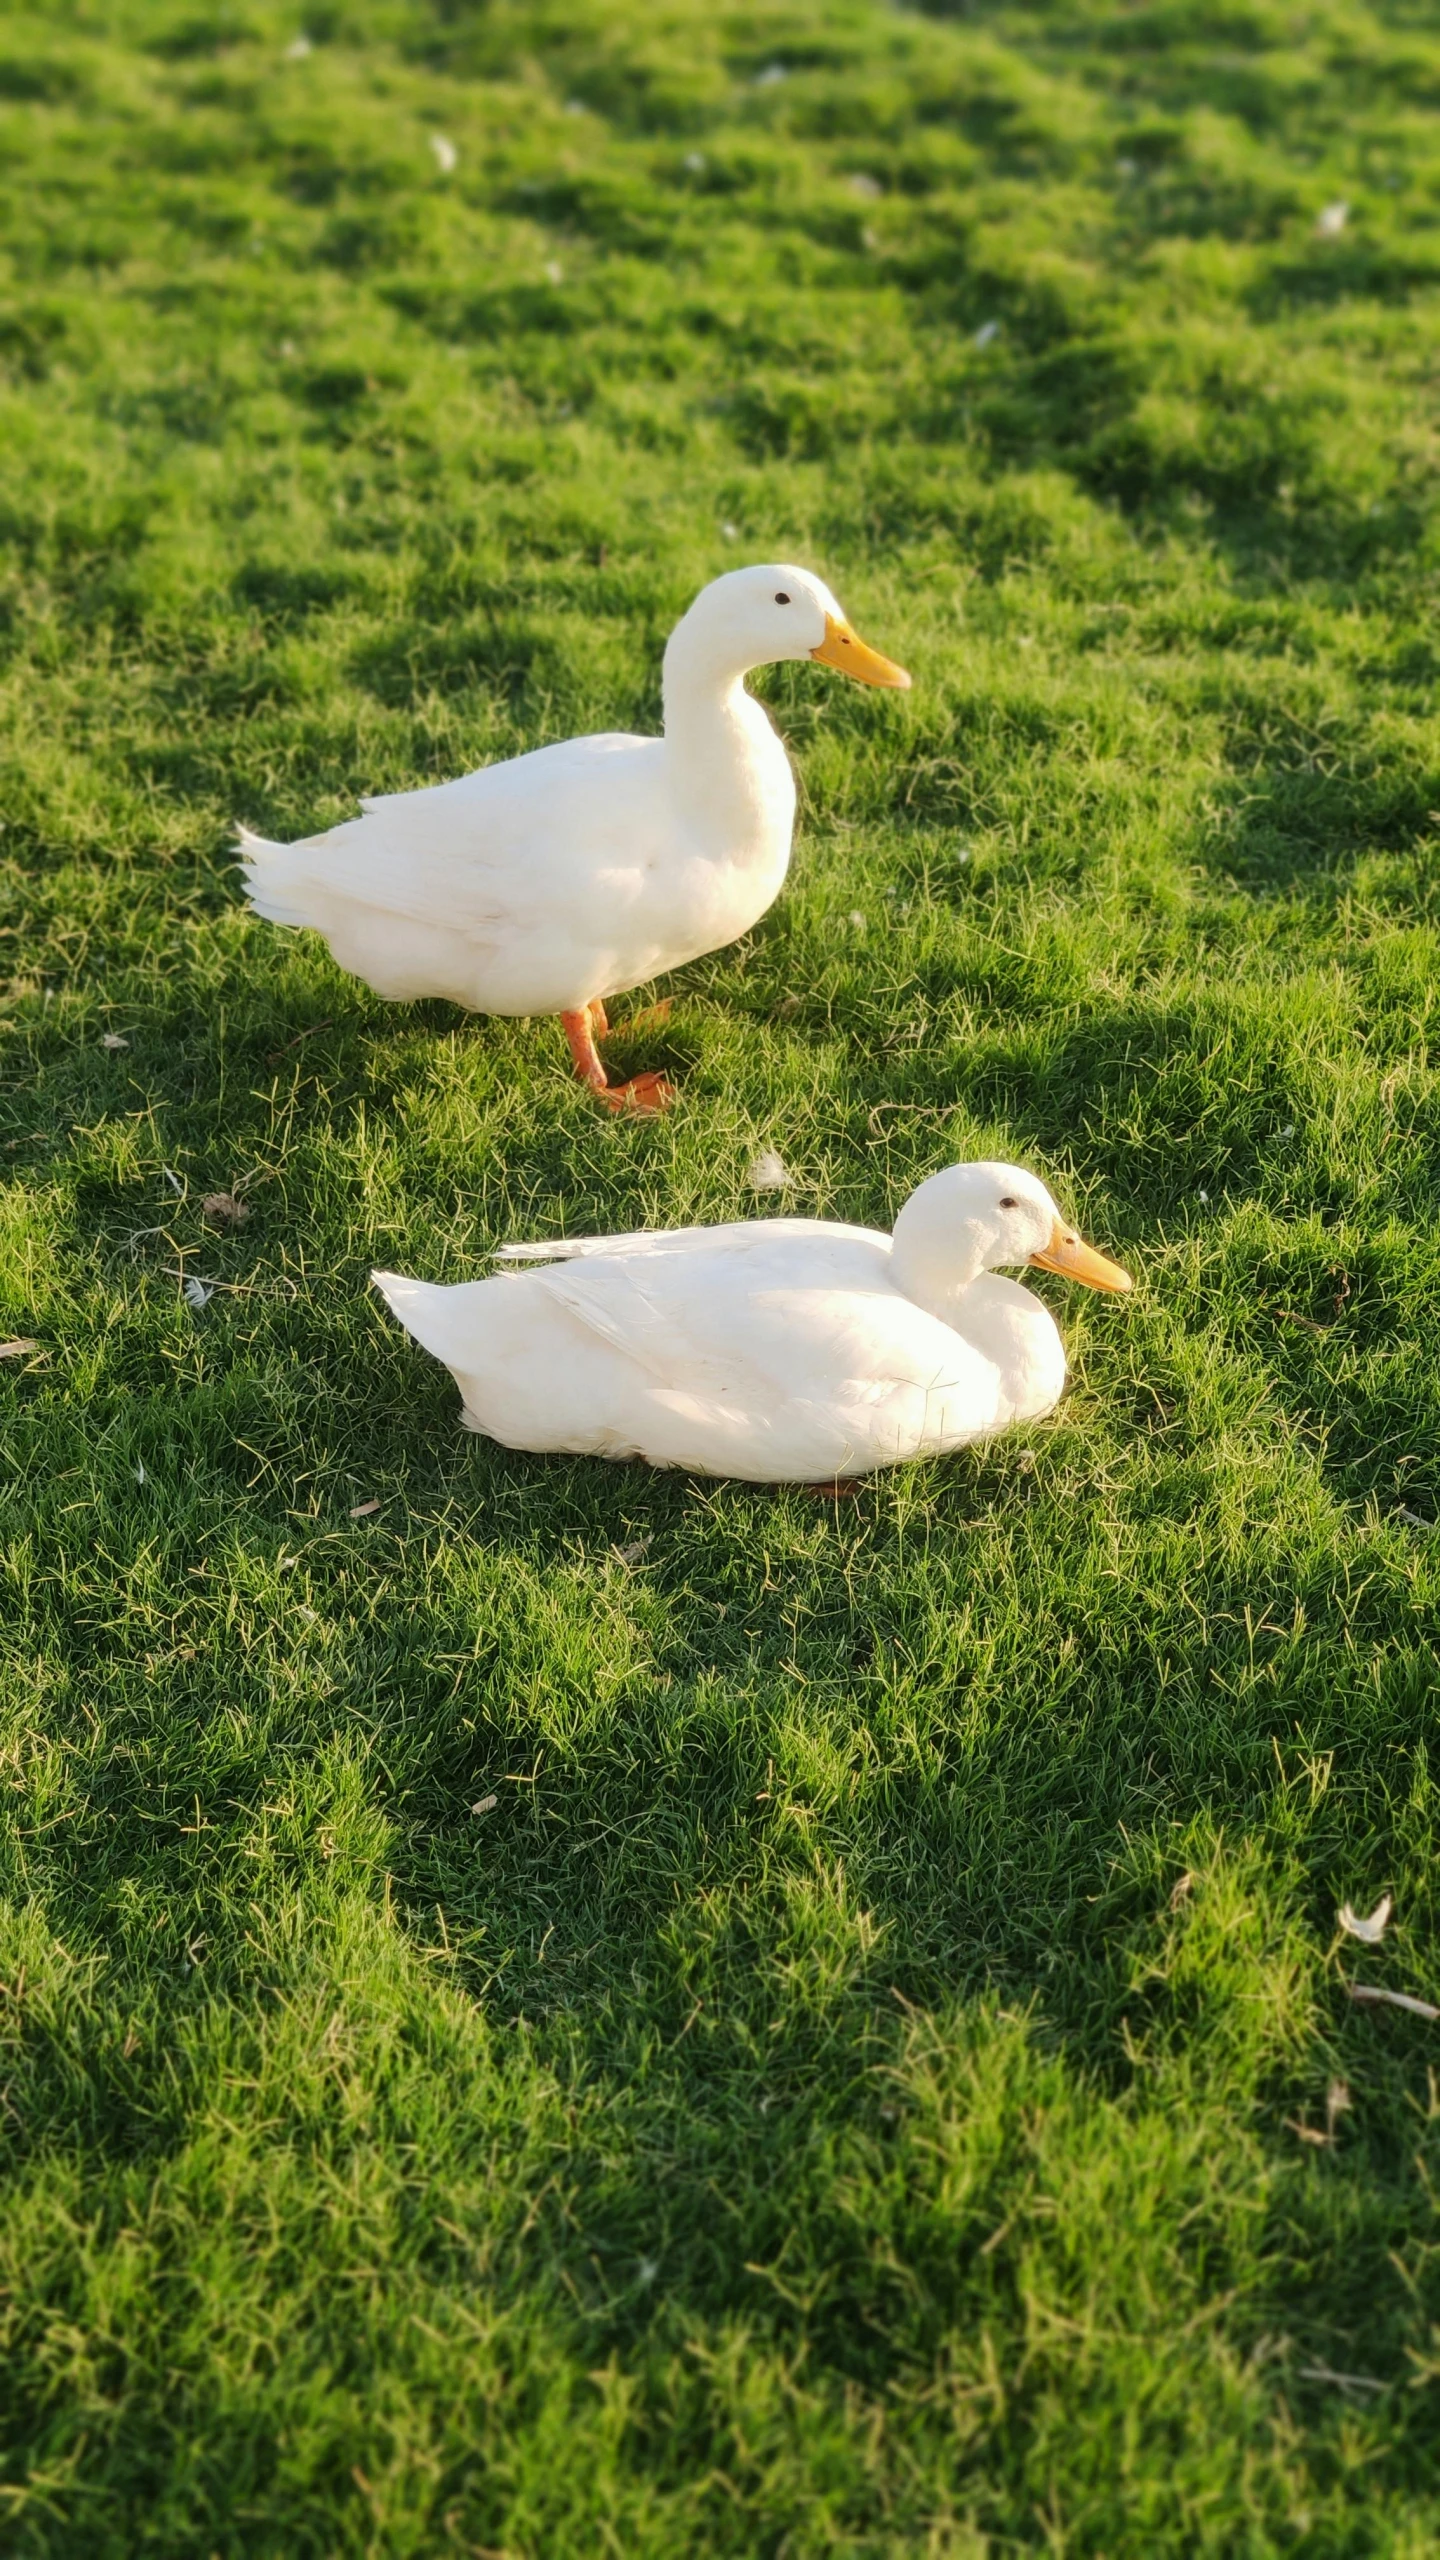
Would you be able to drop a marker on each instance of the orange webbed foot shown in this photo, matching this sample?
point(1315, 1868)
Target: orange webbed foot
point(653, 1092)
point(647, 1093)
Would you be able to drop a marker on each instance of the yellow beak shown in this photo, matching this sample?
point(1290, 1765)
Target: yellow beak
point(841, 649)
point(1067, 1253)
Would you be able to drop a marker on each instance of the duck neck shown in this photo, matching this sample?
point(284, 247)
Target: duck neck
point(934, 1257)
point(729, 772)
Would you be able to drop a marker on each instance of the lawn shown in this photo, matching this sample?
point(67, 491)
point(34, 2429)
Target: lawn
point(873, 2081)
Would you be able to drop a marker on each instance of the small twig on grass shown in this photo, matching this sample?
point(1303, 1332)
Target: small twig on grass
point(286, 1046)
point(1368, 1994)
point(1344, 2381)
point(1337, 2103)
point(1287, 1315)
point(232, 1288)
point(912, 1110)
point(142, 1235)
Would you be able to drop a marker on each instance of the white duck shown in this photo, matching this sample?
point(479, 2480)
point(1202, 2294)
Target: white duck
point(785, 1350)
point(546, 884)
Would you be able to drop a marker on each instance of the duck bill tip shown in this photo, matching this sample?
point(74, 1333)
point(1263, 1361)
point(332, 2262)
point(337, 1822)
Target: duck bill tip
point(842, 648)
point(1074, 1259)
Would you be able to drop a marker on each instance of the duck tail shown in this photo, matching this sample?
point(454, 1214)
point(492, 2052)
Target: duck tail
point(428, 1312)
point(270, 878)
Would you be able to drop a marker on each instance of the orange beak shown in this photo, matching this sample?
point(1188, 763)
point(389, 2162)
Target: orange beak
point(841, 649)
point(1067, 1253)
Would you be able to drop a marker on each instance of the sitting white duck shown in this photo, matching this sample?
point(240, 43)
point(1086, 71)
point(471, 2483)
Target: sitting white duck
point(558, 879)
point(784, 1350)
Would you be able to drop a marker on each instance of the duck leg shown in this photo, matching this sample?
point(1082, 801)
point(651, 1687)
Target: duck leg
point(642, 1093)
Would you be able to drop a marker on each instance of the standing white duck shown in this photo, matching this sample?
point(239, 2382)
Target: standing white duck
point(784, 1350)
point(548, 883)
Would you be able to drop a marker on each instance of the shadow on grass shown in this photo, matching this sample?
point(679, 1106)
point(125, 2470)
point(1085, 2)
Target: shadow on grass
point(1311, 796)
point(648, 1896)
point(1349, 270)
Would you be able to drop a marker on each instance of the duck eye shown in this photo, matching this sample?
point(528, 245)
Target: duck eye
point(1009, 1204)
point(782, 599)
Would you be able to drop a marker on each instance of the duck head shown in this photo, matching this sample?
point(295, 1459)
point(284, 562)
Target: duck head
point(985, 1217)
point(751, 617)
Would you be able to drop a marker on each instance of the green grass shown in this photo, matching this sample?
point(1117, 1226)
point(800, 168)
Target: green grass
point(810, 2113)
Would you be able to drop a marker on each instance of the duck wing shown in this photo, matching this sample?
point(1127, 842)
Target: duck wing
point(504, 847)
point(782, 1348)
point(650, 1244)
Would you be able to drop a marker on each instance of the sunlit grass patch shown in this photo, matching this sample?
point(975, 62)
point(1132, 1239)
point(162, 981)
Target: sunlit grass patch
point(545, 2007)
